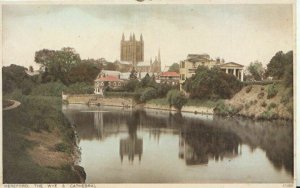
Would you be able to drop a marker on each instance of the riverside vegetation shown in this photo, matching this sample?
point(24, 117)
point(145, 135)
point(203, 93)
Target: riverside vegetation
point(38, 142)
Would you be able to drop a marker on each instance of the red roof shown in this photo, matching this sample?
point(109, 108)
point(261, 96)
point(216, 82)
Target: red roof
point(169, 74)
point(108, 78)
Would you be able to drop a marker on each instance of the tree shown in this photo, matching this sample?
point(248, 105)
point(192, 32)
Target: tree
point(83, 72)
point(278, 63)
point(256, 70)
point(212, 84)
point(174, 68)
point(58, 63)
point(111, 66)
point(176, 98)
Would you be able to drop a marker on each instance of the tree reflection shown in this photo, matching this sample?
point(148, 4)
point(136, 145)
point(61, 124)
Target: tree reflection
point(132, 145)
point(200, 142)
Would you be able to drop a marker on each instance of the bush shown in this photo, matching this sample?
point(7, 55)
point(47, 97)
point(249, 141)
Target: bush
point(62, 147)
point(272, 105)
point(131, 85)
point(80, 88)
point(148, 94)
point(49, 89)
point(263, 104)
point(176, 98)
point(225, 110)
point(261, 95)
point(272, 91)
point(248, 88)
point(212, 83)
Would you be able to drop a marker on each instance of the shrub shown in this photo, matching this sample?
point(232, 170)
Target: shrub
point(261, 95)
point(176, 98)
point(248, 88)
point(223, 109)
point(148, 94)
point(49, 89)
point(80, 88)
point(263, 104)
point(62, 147)
point(272, 105)
point(272, 91)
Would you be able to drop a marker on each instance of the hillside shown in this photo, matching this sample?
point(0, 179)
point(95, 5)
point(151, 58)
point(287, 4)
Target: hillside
point(271, 101)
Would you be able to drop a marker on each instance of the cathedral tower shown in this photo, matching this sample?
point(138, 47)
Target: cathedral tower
point(132, 50)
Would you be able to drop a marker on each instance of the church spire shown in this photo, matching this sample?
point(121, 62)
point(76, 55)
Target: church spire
point(159, 55)
point(123, 37)
point(133, 37)
point(141, 37)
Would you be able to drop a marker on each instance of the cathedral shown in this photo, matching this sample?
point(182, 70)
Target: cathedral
point(132, 50)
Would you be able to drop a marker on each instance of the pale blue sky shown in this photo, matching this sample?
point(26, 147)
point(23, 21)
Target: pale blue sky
point(239, 33)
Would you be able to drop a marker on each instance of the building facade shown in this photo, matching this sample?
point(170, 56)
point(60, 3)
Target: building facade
point(189, 66)
point(132, 50)
point(106, 80)
point(170, 78)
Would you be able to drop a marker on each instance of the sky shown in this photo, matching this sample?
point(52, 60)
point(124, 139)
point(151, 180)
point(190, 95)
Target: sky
point(238, 33)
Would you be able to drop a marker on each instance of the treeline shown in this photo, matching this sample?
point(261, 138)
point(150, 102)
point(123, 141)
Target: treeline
point(61, 70)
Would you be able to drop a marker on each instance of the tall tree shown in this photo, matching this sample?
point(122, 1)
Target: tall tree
point(58, 63)
point(278, 64)
point(256, 70)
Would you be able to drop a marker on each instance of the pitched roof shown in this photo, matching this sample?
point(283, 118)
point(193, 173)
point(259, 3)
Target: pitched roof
point(168, 74)
point(231, 64)
point(108, 78)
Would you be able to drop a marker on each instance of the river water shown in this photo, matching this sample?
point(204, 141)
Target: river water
point(124, 146)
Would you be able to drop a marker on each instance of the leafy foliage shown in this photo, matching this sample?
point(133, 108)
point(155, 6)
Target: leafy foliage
point(14, 77)
point(272, 91)
point(174, 68)
point(256, 70)
point(279, 63)
point(57, 64)
point(148, 94)
point(212, 83)
point(176, 98)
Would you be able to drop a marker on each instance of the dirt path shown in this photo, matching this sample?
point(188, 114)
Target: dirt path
point(15, 105)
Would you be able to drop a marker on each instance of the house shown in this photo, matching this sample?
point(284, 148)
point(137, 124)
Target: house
point(189, 66)
point(171, 78)
point(105, 80)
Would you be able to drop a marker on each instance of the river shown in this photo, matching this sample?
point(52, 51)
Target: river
point(124, 146)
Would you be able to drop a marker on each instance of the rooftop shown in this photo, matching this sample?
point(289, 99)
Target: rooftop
point(169, 74)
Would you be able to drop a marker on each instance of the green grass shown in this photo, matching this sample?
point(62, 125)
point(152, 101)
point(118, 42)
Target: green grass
point(36, 113)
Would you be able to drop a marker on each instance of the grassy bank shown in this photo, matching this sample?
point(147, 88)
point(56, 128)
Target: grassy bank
point(191, 102)
point(273, 101)
point(38, 142)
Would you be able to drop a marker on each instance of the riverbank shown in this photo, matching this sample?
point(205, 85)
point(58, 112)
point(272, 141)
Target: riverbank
point(260, 102)
point(39, 143)
point(159, 104)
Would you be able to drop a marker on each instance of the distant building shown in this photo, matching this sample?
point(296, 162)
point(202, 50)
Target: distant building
point(132, 56)
point(106, 80)
point(170, 78)
point(233, 68)
point(189, 66)
point(150, 67)
point(132, 50)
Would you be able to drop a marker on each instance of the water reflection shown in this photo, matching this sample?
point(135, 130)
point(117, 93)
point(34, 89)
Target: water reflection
point(196, 146)
point(132, 145)
point(200, 140)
